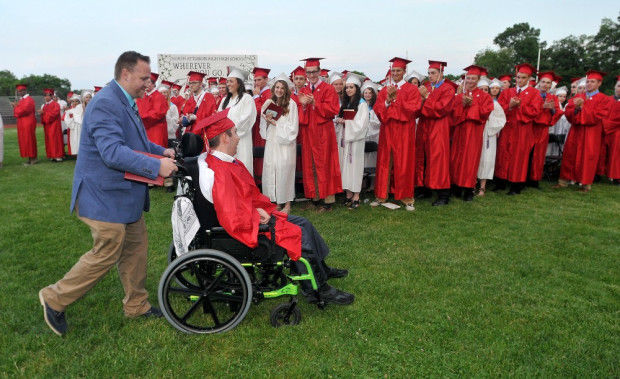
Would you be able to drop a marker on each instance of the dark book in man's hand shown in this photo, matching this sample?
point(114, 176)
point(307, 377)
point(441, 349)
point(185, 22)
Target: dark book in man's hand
point(274, 110)
point(349, 114)
point(159, 181)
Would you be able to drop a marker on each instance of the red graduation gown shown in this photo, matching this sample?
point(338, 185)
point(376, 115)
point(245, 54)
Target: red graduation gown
point(397, 142)
point(153, 109)
point(26, 125)
point(434, 163)
point(257, 140)
point(236, 198)
point(516, 141)
point(583, 143)
point(540, 135)
point(467, 138)
point(205, 109)
point(320, 149)
point(611, 128)
point(178, 101)
point(50, 118)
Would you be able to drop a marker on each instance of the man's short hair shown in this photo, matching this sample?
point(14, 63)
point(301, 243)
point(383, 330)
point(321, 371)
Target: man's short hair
point(215, 141)
point(128, 60)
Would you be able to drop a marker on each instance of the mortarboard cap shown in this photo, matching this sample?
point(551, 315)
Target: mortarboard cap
point(312, 62)
point(399, 62)
point(236, 72)
point(214, 125)
point(195, 76)
point(48, 91)
point(353, 78)
point(505, 77)
point(475, 70)
point(298, 71)
point(439, 65)
point(283, 78)
point(258, 71)
point(97, 88)
point(526, 68)
point(154, 76)
point(595, 74)
point(20, 87)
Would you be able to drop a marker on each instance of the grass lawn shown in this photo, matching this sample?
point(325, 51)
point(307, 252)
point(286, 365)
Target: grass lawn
point(524, 286)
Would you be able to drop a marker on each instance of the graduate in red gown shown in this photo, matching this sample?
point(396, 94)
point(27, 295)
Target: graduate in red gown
point(176, 98)
point(321, 169)
point(24, 112)
point(470, 111)
point(153, 108)
point(222, 92)
point(521, 104)
point(50, 118)
point(611, 127)
point(262, 93)
point(200, 104)
point(586, 113)
point(549, 114)
point(397, 107)
point(240, 207)
point(506, 81)
point(434, 163)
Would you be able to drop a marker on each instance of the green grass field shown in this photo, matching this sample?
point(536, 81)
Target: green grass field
point(523, 286)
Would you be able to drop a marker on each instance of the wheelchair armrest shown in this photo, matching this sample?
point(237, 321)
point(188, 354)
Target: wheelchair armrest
point(263, 228)
point(220, 230)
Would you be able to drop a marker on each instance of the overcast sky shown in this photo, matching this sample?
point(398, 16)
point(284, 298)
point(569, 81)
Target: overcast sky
point(81, 40)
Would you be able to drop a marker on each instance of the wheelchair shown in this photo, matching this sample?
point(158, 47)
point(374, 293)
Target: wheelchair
point(209, 288)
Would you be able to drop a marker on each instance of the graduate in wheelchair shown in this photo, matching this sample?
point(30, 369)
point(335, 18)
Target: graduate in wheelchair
point(231, 246)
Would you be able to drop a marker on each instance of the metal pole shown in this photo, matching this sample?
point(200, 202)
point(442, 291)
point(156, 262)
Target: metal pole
point(538, 64)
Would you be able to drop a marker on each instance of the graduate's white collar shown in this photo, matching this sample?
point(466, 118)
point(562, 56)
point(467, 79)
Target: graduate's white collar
point(222, 156)
point(150, 93)
point(523, 88)
point(25, 96)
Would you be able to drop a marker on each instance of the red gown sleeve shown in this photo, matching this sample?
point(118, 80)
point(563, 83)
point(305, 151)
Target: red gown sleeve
point(595, 110)
point(558, 111)
point(154, 109)
point(440, 104)
point(380, 108)
point(530, 108)
point(328, 105)
point(569, 111)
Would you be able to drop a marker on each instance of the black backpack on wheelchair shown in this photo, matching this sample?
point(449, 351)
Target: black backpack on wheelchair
point(209, 288)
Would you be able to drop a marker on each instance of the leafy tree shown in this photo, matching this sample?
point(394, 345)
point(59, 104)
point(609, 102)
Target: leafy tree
point(36, 84)
point(524, 41)
point(603, 52)
point(7, 83)
point(567, 57)
point(496, 62)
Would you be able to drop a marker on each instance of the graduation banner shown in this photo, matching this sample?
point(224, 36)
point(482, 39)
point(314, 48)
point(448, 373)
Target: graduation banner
point(174, 67)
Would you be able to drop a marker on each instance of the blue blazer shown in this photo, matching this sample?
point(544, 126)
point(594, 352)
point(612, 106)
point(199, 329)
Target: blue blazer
point(111, 133)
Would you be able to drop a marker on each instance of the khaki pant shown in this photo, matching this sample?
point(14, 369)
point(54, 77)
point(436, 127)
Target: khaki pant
point(123, 245)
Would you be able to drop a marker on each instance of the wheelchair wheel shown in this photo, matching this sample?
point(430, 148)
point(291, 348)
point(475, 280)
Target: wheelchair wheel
point(179, 278)
point(216, 298)
point(172, 253)
point(282, 314)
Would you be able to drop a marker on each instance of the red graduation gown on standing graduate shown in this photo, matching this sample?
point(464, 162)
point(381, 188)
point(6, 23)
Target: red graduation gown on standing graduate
point(205, 109)
point(397, 142)
point(178, 101)
point(584, 138)
point(467, 138)
point(257, 140)
point(516, 140)
point(236, 198)
point(153, 109)
point(434, 163)
point(611, 127)
point(50, 118)
point(540, 135)
point(26, 125)
point(320, 149)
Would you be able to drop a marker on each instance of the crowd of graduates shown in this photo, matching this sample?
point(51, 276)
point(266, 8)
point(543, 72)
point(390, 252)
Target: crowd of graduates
point(415, 134)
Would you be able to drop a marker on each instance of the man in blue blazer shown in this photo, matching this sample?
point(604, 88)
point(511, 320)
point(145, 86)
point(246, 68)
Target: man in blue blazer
point(111, 206)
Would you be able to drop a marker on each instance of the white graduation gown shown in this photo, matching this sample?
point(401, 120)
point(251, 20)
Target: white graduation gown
point(1, 140)
point(73, 120)
point(370, 159)
point(338, 128)
point(495, 123)
point(172, 120)
point(560, 128)
point(280, 155)
point(353, 143)
point(243, 114)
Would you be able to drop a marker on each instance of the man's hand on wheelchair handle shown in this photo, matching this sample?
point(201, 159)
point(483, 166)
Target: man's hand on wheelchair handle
point(166, 167)
point(264, 216)
point(169, 153)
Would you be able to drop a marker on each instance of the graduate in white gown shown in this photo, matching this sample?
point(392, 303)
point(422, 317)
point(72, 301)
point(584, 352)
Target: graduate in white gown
point(242, 112)
point(336, 80)
point(561, 127)
point(172, 116)
point(369, 93)
point(355, 116)
point(73, 120)
point(495, 123)
point(278, 180)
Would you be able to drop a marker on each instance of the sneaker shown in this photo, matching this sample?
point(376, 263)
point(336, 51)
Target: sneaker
point(375, 203)
point(337, 272)
point(54, 319)
point(409, 207)
point(332, 295)
point(152, 312)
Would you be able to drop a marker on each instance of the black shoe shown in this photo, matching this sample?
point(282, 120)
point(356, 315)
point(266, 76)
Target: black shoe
point(439, 202)
point(456, 191)
point(468, 195)
point(332, 295)
point(55, 320)
point(423, 193)
point(153, 312)
point(337, 273)
point(354, 204)
point(533, 184)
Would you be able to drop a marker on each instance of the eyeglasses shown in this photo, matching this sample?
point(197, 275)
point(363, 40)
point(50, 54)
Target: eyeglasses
point(312, 72)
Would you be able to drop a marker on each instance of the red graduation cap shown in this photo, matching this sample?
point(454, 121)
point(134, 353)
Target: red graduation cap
point(505, 77)
point(595, 74)
point(526, 68)
point(532, 83)
point(484, 72)
point(298, 71)
point(70, 93)
point(573, 80)
point(214, 125)
point(222, 81)
point(475, 70)
point(439, 65)
point(154, 76)
point(312, 62)
point(618, 78)
point(48, 91)
point(547, 74)
point(98, 88)
point(195, 76)
point(167, 83)
point(212, 80)
point(20, 87)
point(324, 71)
point(399, 62)
point(175, 86)
point(345, 72)
point(264, 72)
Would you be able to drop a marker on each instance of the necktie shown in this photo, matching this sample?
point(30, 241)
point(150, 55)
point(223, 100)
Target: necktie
point(519, 91)
point(313, 88)
point(135, 109)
